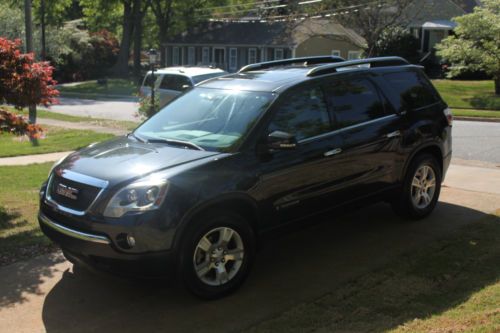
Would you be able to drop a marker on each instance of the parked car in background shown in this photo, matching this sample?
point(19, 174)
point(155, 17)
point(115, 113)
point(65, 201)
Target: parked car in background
point(172, 81)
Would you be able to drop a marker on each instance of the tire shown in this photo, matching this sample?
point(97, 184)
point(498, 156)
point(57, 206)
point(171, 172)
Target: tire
point(222, 266)
point(407, 203)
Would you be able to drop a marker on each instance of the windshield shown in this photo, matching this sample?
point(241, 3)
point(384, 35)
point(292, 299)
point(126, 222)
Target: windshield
point(209, 118)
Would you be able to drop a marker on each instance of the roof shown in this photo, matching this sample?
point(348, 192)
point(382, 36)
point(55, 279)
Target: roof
point(258, 33)
point(189, 71)
point(424, 11)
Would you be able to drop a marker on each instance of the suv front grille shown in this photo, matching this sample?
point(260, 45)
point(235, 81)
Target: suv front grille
point(78, 196)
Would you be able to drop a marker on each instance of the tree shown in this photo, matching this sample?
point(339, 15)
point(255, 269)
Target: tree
point(140, 9)
point(397, 41)
point(23, 81)
point(476, 42)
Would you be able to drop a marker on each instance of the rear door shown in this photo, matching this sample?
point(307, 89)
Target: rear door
point(371, 136)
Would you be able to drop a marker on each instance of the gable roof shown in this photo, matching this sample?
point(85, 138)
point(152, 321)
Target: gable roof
point(422, 11)
point(259, 33)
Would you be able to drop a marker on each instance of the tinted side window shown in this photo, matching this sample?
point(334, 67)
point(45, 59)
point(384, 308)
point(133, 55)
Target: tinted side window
point(354, 101)
point(197, 79)
point(174, 82)
point(415, 90)
point(304, 114)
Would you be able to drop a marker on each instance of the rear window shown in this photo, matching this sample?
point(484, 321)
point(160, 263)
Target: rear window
point(354, 101)
point(413, 88)
point(174, 82)
point(199, 78)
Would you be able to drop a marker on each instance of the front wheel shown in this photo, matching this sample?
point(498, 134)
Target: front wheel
point(421, 188)
point(216, 255)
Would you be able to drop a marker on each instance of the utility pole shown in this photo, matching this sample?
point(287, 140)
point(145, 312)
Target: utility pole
point(28, 22)
point(43, 52)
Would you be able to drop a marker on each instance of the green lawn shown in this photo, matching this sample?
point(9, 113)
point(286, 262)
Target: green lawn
point(476, 113)
point(114, 87)
point(56, 139)
point(468, 94)
point(451, 286)
point(20, 236)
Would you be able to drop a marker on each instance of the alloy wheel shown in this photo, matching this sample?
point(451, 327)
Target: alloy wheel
point(218, 256)
point(423, 187)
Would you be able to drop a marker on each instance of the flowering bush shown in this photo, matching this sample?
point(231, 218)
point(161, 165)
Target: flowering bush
point(23, 81)
point(18, 125)
point(145, 111)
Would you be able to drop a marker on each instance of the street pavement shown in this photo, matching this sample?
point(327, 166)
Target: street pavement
point(46, 294)
point(475, 140)
point(115, 110)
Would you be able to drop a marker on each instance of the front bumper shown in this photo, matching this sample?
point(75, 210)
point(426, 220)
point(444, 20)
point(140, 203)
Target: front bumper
point(100, 252)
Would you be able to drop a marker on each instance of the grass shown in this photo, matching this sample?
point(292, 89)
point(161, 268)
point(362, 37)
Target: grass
point(113, 87)
point(476, 113)
point(20, 236)
point(468, 94)
point(451, 286)
point(57, 139)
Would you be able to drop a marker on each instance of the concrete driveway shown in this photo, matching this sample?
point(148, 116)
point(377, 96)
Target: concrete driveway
point(46, 294)
point(115, 110)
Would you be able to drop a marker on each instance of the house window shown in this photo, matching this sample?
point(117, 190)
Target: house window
point(263, 54)
point(278, 54)
point(335, 53)
point(191, 56)
point(205, 57)
point(352, 55)
point(252, 56)
point(233, 58)
point(175, 56)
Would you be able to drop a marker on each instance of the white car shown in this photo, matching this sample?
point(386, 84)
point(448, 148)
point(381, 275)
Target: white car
point(173, 81)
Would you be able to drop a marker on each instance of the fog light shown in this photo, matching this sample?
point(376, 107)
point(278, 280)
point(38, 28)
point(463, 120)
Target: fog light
point(131, 241)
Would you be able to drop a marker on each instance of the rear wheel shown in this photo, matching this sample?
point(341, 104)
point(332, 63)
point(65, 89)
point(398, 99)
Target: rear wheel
point(216, 255)
point(421, 188)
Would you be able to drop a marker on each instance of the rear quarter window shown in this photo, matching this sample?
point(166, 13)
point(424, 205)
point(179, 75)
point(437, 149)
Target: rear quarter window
point(174, 82)
point(414, 89)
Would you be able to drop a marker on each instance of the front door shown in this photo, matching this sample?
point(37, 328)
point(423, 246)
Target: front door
point(220, 57)
point(293, 183)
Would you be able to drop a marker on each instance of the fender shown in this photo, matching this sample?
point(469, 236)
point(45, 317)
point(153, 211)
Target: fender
point(420, 148)
point(224, 199)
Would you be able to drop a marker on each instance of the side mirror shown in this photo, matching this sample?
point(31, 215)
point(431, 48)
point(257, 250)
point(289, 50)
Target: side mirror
point(279, 140)
point(185, 87)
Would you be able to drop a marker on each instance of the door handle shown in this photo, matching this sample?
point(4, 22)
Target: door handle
point(393, 134)
point(333, 152)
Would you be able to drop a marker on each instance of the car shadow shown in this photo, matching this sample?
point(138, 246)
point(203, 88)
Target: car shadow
point(294, 267)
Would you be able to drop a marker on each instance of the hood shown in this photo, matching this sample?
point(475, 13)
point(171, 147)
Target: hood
point(123, 159)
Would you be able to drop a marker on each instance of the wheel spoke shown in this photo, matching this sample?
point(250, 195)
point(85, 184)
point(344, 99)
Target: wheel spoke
point(426, 197)
point(225, 235)
point(425, 172)
point(221, 274)
point(431, 183)
point(234, 255)
point(203, 268)
point(205, 244)
point(416, 183)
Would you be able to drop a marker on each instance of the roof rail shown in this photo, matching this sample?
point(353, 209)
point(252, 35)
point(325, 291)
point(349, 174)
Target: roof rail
point(372, 62)
point(304, 60)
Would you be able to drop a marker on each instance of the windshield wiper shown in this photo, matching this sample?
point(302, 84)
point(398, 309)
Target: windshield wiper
point(136, 137)
point(177, 143)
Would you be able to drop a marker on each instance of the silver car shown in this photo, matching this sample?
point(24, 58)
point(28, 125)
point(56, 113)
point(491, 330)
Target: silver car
point(173, 81)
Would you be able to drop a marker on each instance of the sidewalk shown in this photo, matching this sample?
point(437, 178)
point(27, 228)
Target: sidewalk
point(32, 159)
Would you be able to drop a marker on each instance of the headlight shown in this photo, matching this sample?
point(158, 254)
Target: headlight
point(137, 197)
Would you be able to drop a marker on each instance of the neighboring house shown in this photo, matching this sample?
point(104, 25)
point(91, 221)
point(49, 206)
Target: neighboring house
point(431, 20)
point(231, 45)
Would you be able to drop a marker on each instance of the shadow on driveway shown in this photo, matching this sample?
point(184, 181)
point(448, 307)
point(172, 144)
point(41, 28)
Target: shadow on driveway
point(290, 268)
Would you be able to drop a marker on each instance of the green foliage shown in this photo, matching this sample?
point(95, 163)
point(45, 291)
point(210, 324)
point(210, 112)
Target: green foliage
point(476, 43)
point(102, 14)
point(397, 41)
point(145, 111)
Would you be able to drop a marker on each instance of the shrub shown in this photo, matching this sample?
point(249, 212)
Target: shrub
point(18, 125)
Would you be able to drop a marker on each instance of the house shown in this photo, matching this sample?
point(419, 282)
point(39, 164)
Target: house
point(431, 20)
point(232, 45)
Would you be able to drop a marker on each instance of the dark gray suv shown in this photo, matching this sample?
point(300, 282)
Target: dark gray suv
point(192, 189)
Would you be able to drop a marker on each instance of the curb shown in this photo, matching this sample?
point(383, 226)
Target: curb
point(481, 119)
point(99, 97)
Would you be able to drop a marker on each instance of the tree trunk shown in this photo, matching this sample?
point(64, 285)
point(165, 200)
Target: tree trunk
point(497, 86)
point(163, 39)
point(43, 53)
point(29, 48)
point(121, 66)
point(138, 16)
